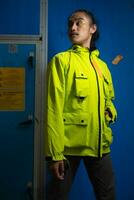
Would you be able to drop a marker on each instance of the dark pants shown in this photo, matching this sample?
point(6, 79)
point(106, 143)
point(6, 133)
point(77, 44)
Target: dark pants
point(99, 171)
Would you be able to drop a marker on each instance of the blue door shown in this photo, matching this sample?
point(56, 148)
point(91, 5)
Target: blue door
point(17, 85)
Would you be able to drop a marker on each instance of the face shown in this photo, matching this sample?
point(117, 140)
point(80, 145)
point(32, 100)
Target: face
point(81, 29)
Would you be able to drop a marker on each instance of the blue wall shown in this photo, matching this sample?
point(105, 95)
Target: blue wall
point(19, 17)
point(115, 20)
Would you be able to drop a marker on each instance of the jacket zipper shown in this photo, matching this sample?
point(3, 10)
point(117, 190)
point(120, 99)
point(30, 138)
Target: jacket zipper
point(99, 117)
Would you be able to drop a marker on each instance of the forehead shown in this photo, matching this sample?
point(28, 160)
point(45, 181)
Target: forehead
point(79, 16)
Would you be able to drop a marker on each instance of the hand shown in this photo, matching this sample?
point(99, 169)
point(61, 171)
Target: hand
point(108, 112)
point(57, 168)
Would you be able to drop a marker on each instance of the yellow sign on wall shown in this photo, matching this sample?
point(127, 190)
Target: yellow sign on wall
point(12, 88)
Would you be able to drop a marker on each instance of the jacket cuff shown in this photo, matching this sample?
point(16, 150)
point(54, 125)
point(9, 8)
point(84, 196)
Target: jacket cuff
point(58, 157)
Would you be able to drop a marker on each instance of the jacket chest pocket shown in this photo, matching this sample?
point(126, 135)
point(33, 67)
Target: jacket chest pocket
point(81, 85)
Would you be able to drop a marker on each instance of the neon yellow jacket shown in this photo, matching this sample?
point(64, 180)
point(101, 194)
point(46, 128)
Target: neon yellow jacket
point(79, 92)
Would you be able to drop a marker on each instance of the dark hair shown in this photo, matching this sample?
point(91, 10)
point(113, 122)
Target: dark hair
point(95, 35)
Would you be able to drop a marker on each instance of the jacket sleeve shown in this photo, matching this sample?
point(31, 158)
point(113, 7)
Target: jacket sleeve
point(110, 109)
point(54, 140)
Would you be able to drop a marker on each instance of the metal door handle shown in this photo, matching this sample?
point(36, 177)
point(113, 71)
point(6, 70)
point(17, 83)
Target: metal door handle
point(27, 122)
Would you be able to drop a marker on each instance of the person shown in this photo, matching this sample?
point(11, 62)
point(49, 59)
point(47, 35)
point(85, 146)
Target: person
point(79, 112)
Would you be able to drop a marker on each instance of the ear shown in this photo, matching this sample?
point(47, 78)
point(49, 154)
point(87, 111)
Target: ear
point(93, 28)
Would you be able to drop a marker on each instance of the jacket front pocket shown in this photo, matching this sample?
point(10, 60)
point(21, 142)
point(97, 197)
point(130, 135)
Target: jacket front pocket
point(81, 85)
point(75, 127)
point(75, 119)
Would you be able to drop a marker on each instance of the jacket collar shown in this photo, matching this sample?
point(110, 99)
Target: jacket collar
point(80, 49)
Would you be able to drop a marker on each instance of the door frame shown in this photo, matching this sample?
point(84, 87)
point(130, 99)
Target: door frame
point(38, 186)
